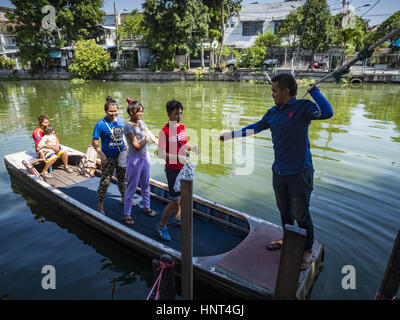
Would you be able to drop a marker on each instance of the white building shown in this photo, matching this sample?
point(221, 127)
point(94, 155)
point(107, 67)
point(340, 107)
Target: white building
point(241, 31)
point(8, 46)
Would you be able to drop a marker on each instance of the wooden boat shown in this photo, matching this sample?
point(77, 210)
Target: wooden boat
point(228, 246)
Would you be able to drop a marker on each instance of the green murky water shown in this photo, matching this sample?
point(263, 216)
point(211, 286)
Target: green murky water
point(354, 206)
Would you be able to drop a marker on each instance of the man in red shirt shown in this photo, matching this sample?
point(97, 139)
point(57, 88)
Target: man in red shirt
point(172, 147)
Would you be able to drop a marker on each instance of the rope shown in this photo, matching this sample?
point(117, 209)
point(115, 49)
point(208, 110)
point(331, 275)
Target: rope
point(163, 266)
point(363, 54)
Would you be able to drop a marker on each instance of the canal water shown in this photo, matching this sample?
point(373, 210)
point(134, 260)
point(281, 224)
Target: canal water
point(354, 206)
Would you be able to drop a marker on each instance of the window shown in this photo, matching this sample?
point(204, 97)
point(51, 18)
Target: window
point(232, 25)
point(252, 28)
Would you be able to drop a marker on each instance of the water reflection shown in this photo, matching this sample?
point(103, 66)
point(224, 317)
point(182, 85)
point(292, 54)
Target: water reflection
point(121, 265)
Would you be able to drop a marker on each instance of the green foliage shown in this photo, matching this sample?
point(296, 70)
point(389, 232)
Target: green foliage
point(182, 67)
point(385, 28)
point(219, 12)
point(259, 78)
point(317, 29)
point(258, 52)
point(304, 83)
point(344, 80)
point(132, 27)
point(6, 63)
point(72, 19)
point(309, 26)
point(254, 57)
point(129, 64)
point(232, 7)
point(163, 65)
point(90, 60)
point(77, 81)
point(174, 26)
point(391, 61)
point(227, 51)
point(290, 28)
point(350, 38)
point(198, 75)
point(267, 40)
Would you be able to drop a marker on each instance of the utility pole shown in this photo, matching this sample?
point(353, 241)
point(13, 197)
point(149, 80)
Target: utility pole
point(116, 30)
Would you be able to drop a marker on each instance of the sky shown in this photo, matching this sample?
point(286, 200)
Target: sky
point(381, 11)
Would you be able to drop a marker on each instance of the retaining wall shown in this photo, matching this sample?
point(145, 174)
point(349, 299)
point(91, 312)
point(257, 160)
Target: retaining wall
point(239, 75)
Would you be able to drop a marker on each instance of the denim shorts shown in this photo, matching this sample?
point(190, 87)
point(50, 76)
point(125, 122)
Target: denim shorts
point(172, 174)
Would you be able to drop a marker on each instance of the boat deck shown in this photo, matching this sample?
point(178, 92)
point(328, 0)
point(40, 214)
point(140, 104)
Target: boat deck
point(205, 242)
point(228, 246)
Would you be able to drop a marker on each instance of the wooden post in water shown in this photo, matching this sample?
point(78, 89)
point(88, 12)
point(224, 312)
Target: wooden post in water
point(187, 239)
point(292, 251)
point(391, 279)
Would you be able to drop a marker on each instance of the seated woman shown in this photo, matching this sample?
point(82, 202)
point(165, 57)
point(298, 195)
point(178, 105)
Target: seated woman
point(37, 136)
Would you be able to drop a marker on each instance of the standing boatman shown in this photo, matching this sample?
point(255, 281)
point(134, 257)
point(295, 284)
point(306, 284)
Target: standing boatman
point(293, 171)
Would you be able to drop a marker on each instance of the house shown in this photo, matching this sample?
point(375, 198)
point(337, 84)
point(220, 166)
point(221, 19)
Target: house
point(8, 46)
point(130, 49)
point(241, 31)
point(104, 35)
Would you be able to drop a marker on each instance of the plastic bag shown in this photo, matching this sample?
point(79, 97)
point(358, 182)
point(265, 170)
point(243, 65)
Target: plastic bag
point(186, 173)
point(122, 158)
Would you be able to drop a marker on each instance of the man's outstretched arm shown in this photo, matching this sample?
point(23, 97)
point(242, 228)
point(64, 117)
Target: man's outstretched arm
point(246, 131)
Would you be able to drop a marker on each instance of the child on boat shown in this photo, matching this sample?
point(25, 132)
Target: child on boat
point(48, 139)
point(172, 147)
point(137, 163)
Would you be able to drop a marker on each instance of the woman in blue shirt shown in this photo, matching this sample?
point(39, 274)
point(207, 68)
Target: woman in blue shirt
point(110, 131)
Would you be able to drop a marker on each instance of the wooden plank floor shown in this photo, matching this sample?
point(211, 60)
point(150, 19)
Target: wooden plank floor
point(61, 178)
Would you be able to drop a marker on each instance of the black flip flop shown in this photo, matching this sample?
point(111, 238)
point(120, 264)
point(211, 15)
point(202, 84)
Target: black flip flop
point(274, 245)
point(150, 213)
point(131, 222)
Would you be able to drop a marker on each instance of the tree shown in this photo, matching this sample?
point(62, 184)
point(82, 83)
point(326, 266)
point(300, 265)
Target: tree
point(385, 28)
point(267, 40)
point(352, 35)
point(258, 52)
point(132, 27)
point(72, 17)
point(316, 26)
point(6, 63)
point(90, 60)
point(290, 28)
point(308, 27)
point(174, 26)
point(217, 9)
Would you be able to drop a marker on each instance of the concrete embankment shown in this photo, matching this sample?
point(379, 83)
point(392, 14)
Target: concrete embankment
point(238, 75)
